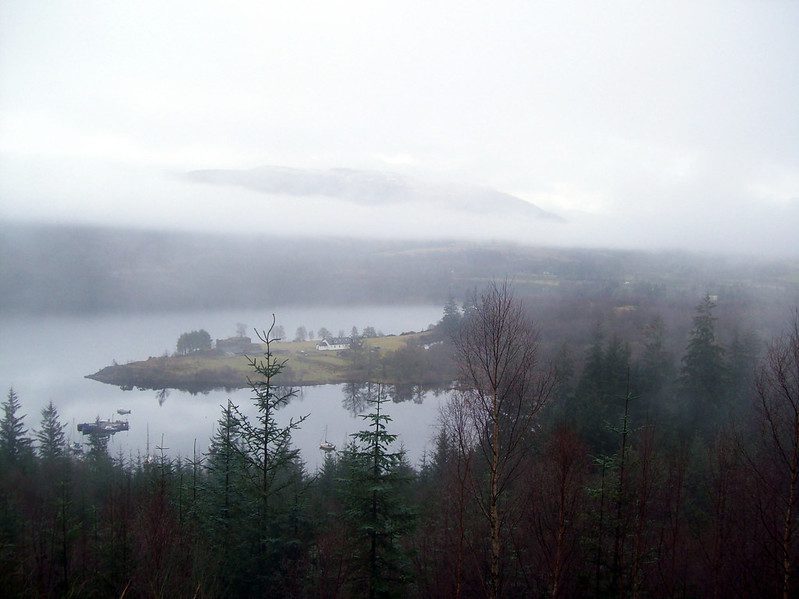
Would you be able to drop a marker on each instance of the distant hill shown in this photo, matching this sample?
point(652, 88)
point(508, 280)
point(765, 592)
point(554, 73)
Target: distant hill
point(85, 269)
point(372, 188)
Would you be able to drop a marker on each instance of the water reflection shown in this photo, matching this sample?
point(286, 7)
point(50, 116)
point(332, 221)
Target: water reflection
point(161, 396)
point(195, 389)
point(357, 395)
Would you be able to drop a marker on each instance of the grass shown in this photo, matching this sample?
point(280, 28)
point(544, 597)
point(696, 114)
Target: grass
point(305, 365)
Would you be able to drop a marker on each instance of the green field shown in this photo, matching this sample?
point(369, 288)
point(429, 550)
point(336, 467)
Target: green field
point(305, 365)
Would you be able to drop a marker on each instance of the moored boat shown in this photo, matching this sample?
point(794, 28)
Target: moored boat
point(103, 427)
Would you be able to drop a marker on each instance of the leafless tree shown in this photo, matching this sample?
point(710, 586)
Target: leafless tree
point(775, 460)
point(554, 521)
point(504, 389)
point(456, 425)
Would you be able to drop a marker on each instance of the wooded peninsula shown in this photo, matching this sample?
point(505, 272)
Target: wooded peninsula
point(409, 358)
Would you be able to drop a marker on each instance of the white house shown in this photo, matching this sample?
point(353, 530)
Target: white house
point(334, 344)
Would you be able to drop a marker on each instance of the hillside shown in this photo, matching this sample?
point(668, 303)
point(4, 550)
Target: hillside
point(85, 269)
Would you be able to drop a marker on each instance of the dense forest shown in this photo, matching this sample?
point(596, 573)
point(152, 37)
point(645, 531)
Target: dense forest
point(607, 450)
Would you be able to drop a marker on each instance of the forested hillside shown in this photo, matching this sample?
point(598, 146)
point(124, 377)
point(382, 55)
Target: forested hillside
point(69, 269)
point(662, 463)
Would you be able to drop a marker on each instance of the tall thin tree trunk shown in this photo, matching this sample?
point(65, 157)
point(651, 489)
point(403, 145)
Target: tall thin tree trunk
point(787, 526)
point(617, 583)
point(600, 533)
point(494, 510)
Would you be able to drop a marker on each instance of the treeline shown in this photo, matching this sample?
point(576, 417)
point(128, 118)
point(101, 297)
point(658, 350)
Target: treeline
point(81, 269)
point(611, 474)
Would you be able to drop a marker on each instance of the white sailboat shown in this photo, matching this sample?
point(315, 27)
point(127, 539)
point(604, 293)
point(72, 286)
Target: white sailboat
point(326, 445)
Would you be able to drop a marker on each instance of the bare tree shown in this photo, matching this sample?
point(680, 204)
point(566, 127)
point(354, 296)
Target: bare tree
point(775, 460)
point(504, 390)
point(457, 427)
point(553, 525)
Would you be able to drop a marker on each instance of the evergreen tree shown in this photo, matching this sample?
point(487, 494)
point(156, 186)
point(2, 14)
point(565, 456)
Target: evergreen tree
point(656, 368)
point(450, 324)
point(98, 451)
point(375, 509)
point(589, 387)
point(14, 442)
point(602, 385)
point(703, 373)
point(742, 363)
point(272, 467)
point(227, 506)
point(51, 434)
point(657, 363)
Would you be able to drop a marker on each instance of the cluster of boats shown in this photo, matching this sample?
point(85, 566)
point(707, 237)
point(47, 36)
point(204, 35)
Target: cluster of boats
point(105, 428)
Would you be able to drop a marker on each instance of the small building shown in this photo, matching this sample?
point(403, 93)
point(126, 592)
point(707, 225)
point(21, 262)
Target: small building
point(334, 344)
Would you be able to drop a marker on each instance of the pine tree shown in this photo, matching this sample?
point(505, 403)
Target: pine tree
point(375, 509)
point(272, 467)
point(98, 451)
point(655, 371)
point(51, 434)
point(657, 363)
point(226, 503)
point(703, 374)
point(602, 382)
point(14, 442)
point(450, 324)
point(742, 363)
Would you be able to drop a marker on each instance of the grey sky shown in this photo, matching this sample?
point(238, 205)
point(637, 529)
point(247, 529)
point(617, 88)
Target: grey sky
point(644, 125)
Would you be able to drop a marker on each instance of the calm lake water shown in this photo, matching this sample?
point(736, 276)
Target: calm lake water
point(46, 358)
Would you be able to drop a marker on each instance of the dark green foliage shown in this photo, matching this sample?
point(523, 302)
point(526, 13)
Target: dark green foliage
point(744, 351)
point(649, 510)
point(599, 397)
point(374, 508)
point(703, 376)
point(51, 434)
point(268, 474)
point(224, 504)
point(657, 363)
point(450, 324)
point(98, 451)
point(15, 445)
point(194, 341)
point(655, 373)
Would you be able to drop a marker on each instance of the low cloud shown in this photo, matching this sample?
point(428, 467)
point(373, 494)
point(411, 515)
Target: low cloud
point(372, 188)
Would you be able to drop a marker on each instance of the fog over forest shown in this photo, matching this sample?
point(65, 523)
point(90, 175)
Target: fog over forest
point(366, 299)
point(669, 127)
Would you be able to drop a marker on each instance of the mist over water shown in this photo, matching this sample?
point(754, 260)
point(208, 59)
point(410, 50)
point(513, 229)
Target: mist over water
point(595, 206)
point(631, 127)
point(45, 358)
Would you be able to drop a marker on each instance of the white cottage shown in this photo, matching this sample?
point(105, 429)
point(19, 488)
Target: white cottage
point(334, 344)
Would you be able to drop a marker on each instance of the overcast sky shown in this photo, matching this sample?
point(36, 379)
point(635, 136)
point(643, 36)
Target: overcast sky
point(659, 124)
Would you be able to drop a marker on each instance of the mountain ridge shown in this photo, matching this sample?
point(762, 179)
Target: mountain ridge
point(372, 188)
